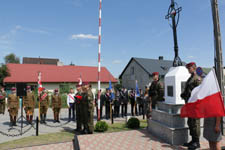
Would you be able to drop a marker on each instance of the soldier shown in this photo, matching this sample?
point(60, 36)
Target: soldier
point(56, 105)
point(101, 103)
point(44, 103)
point(70, 104)
point(29, 104)
point(13, 106)
point(116, 104)
point(87, 109)
point(156, 90)
point(78, 98)
point(133, 102)
point(107, 104)
point(147, 103)
point(124, 101)
point(194, 124)
point(2, 100)
point(140, 101)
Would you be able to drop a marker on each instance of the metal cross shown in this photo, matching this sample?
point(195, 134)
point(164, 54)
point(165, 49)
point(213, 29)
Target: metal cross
point(174, 11)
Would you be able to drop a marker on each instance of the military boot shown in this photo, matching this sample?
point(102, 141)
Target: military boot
point(44, 119)
point(31, 119)
point(41, 118)
point(195, 144)
point(57, 118)
point(14, 121)
point(27, 118)
point(187, 144)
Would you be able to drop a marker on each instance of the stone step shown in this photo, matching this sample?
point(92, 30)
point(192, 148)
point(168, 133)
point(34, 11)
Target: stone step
point(171, 120)
point(170, 108)
point(173, 136)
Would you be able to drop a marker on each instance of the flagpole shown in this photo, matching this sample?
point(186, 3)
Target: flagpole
point(218, 49)
point(99, 57)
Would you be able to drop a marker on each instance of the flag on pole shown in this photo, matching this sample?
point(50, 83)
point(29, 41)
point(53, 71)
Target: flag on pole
point(137, 93)
point(206, 100)
point(112, 95)
point(80, 80)
point(39, 83)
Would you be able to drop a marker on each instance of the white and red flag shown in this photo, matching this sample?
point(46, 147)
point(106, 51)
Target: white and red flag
point(206, 100)
point(39, 83)
point(80, 80)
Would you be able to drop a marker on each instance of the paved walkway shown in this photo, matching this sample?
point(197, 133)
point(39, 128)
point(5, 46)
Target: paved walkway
point(43, 129)
point(126, 140)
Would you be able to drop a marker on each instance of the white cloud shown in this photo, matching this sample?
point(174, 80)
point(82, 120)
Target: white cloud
point(83, 36)
point(116, 62)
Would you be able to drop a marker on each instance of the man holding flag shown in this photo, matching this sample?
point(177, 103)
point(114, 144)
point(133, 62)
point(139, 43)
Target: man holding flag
point(193, 123)
point(205, 101)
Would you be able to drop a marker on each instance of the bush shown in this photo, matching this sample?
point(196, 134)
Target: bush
point(101, 126)
point(133, 123)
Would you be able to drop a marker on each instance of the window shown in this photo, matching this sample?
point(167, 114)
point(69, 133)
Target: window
point(132, 70)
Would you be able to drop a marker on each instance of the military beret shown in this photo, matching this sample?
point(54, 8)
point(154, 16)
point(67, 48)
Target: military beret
point(190, 64)
point(56, 90)
point(155, 73)
point(28, 87)
point(85, 83)
point(13, 88)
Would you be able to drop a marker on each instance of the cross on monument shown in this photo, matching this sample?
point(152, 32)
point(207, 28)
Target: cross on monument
point(174, 14)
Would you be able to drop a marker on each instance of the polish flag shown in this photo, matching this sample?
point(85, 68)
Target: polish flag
point(206, 100)
point(39, 83)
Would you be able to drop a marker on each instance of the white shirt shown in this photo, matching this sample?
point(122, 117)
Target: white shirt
point(70, 98)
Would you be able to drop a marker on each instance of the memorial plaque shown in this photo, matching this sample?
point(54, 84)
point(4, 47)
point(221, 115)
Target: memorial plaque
point(170, 91)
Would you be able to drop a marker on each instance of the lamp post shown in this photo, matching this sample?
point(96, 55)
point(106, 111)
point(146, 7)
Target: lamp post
point(174, 15)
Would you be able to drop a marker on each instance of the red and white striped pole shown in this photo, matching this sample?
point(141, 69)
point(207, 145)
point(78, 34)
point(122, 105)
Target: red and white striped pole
point(99, 57)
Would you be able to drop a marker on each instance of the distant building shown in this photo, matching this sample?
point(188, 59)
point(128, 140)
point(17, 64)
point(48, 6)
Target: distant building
point(47, 61)
point(141, 69)
point(56, 76)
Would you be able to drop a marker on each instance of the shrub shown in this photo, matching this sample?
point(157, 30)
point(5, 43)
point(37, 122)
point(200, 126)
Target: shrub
point(101, 126)
point(133, 123)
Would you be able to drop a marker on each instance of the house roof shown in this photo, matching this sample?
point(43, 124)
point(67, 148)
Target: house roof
point(152, 65)
point(50, 73)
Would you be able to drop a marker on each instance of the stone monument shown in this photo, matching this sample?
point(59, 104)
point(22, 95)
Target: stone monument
point(166, 122)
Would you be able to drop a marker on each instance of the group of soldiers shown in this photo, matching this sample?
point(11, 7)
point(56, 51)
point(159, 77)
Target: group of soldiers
point(13, 104)
point(141, 104)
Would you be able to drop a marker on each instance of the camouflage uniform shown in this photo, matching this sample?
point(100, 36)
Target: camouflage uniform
point(2, 102)
point(156, 93)
point(44, 103)
point(194, 124)
point(87, 111)
point(56, 106)
point(13, 106)
point(29, 104)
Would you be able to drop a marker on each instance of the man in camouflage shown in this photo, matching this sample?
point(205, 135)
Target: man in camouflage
point(13, 106)
point(87, 109)
point(29, 104)
point(156, 90)
point(2, 100)
point(194, 124)
point(78, 99)
point(56, 105)
point(44, 103)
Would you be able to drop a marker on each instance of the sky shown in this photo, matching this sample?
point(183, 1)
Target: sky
point(68, 30)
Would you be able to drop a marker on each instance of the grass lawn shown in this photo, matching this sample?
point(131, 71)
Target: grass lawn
point(59, 137)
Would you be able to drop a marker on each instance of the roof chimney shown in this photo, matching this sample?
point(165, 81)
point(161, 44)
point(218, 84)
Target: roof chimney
point(160, 57)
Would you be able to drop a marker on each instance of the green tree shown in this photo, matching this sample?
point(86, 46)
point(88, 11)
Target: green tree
point(12, 58)
point(4, 72)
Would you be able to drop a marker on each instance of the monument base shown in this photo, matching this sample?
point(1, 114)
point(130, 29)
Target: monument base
point(167, 125)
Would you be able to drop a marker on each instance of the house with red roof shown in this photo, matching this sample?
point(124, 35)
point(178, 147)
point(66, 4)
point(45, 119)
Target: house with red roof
point(53, 76)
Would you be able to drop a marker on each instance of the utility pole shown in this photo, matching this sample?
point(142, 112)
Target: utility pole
point(218, 49)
